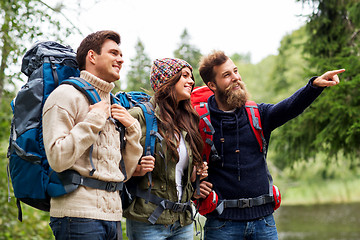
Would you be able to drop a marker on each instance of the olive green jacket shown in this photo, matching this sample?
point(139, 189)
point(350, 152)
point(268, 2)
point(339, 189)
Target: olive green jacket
point(163, 181)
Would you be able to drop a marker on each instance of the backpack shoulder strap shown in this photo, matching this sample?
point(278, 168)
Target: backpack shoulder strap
point(86, 88)
point(114, 99)
point(150, 138)
point(206, 130)
point(253, 113)
point(121, 129)
point(92, 95)
point(151, 128)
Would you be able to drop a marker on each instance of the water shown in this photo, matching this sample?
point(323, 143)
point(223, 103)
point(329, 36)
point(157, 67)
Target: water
point(320, 222)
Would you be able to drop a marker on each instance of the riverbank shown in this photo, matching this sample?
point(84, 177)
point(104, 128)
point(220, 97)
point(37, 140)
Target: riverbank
point(320, 180)
point(321, 192)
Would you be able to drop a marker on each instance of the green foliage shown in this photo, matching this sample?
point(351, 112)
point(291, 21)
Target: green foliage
point(26, 20)
point(288, 74)
point(256, 76)
point(6, 115)
point(138, 76)
point(22, 21)
point(319, 180)
point(241, 58)
point(331, 124)
point(191, 54)
point(35, 222)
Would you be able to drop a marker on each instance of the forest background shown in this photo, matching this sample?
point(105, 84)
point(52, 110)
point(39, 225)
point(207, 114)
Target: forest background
point(314, 159)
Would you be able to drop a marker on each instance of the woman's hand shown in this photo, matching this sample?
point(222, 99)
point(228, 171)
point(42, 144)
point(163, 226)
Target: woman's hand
point(205, 190)
point(202, 171)
point(147, 164)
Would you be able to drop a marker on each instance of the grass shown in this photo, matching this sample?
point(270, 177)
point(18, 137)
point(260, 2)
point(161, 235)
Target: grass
point(321, 192)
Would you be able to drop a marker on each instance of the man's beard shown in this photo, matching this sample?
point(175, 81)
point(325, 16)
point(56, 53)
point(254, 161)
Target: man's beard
point(234, 98)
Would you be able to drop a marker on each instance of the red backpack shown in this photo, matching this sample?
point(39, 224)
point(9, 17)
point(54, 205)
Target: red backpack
point(199, 99)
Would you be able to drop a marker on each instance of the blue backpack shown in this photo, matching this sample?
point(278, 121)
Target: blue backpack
point(47, 65)
point(142, 100)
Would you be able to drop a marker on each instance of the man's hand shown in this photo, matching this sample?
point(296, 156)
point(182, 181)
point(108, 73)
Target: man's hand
point(146, 165)
point(102, 106)
point(328, 79)
point(205, 190)
point(122, 115)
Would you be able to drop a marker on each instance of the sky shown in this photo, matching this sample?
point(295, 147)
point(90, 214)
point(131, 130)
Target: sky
point(234, 26)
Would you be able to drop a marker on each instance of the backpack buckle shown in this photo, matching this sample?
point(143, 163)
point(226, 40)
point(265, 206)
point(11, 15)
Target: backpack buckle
point(110, 186)
point(178, 207)
point(244, 203)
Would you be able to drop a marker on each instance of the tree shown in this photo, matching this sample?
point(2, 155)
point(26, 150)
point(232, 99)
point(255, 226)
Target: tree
point(332, 123)
point(289, 74)
point(256, 76)
point(21, 21)
point(241, 58)
point(191, 54)
point(138, 76)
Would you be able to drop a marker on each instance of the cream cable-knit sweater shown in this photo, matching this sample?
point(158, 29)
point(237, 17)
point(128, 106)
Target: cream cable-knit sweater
point(69, 130)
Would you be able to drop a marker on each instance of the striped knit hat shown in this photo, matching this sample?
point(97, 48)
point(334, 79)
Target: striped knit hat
point(164, 69)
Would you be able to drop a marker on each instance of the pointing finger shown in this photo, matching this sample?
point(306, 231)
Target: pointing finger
point(332, 73)
point(337, 71)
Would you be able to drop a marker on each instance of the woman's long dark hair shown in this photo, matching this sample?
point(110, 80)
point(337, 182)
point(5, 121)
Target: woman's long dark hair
point(176, 117)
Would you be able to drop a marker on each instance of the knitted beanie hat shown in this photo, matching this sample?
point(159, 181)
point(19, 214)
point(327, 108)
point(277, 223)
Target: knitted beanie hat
point(164, 69)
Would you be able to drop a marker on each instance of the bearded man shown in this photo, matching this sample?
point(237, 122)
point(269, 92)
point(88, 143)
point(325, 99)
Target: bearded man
point(240, 175)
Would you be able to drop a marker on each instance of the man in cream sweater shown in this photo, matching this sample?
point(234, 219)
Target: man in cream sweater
point(71, 126)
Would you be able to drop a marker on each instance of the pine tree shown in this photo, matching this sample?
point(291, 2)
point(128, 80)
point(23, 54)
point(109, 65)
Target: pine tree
point(332, 123)
point(138, 76)
point(191, 54)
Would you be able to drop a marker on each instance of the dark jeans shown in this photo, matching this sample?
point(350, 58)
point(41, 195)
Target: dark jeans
point(69, 228)
point(260, 229)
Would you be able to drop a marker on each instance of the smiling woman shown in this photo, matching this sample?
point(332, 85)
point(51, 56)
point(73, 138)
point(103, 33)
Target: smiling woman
point(167, 185)
point(185, 85)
